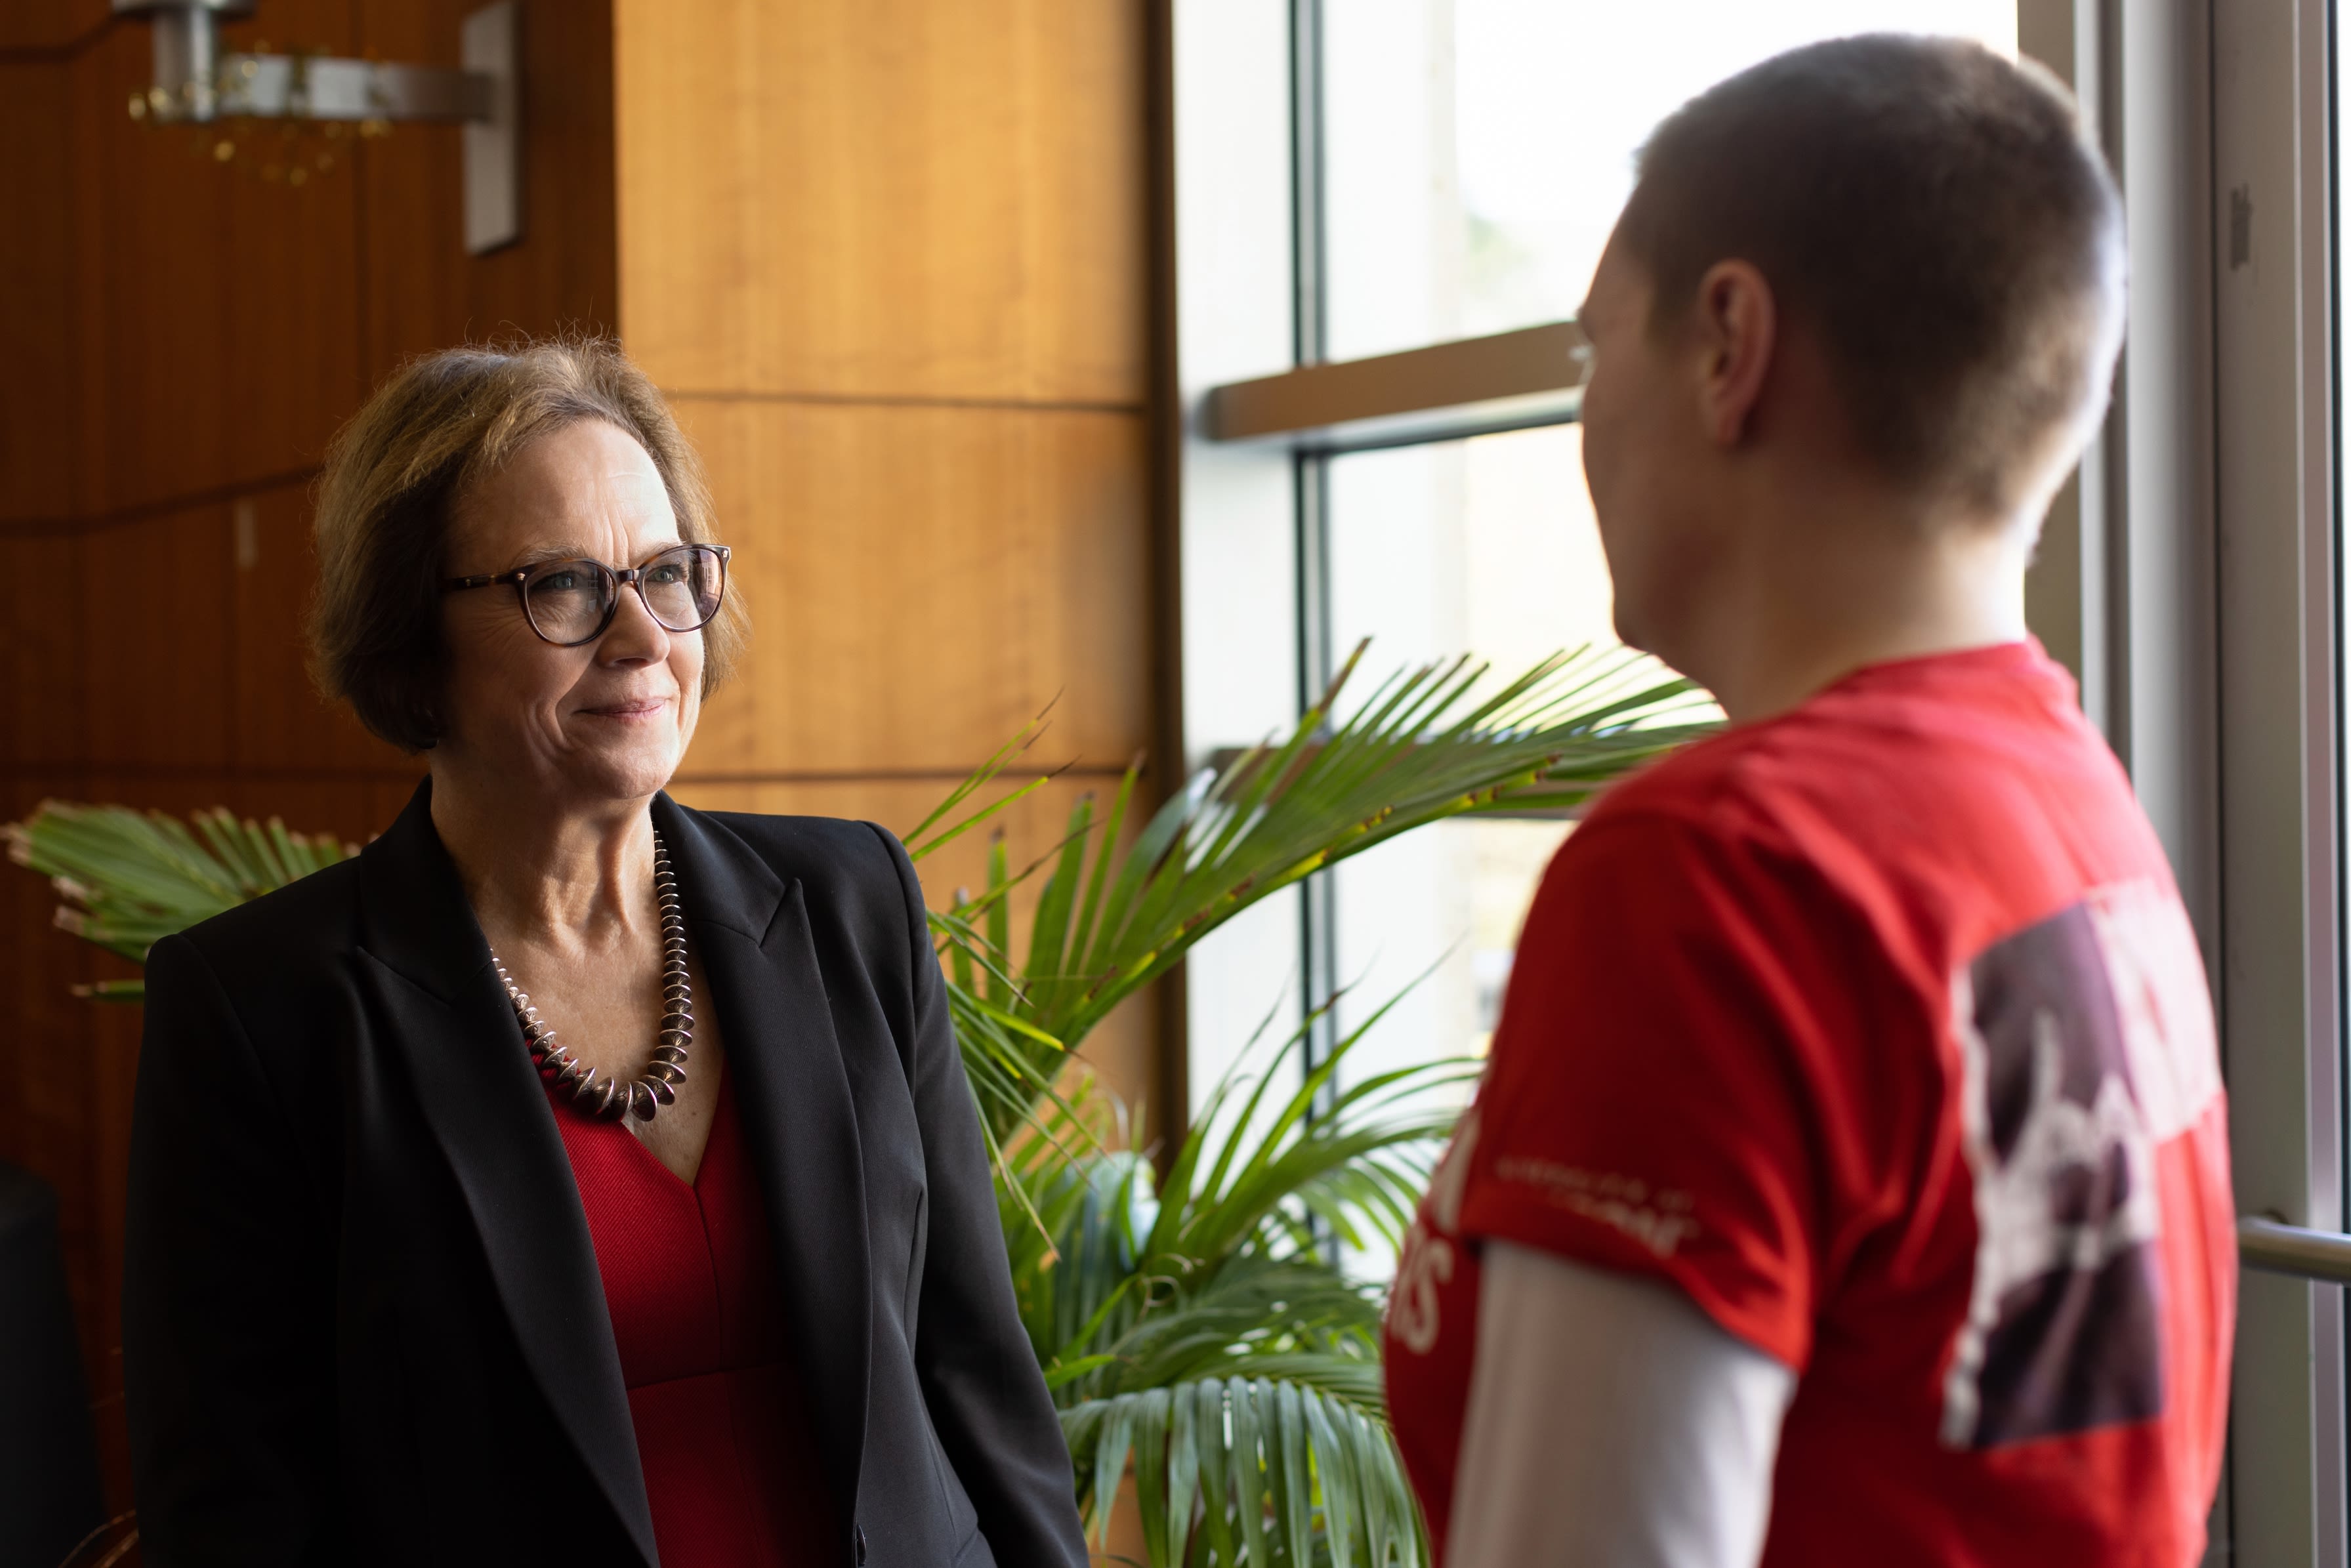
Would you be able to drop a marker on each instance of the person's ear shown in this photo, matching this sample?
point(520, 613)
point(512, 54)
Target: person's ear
point(1737, 329)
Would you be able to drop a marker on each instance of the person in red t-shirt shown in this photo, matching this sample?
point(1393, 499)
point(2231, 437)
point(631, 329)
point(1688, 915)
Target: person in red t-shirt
point(1849, 1183)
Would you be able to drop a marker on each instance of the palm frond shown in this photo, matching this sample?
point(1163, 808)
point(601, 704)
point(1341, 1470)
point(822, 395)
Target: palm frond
point(1194, 1327)
point(130, 879)
point(1259, 1469)
point(1439, 741)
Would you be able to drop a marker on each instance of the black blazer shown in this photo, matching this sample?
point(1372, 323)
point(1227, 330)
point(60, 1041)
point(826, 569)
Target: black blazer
point(361, 1316)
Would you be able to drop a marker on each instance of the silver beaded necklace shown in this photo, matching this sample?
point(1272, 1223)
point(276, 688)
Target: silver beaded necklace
point(609, 1098)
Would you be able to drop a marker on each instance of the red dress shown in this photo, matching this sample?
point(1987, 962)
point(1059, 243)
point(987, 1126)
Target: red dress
point(699, 1317)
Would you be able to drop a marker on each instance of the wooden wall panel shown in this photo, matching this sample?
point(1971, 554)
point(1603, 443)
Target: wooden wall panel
point(47, 27)
point(564, 274)
point(887, 257)
point(922, 581)
point(892, 198)
point(43, 679)
point(37, 403)
point(156, 641)
point(231, 328)
point(278, 723)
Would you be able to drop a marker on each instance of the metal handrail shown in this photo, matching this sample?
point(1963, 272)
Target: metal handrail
point(2278, 1249)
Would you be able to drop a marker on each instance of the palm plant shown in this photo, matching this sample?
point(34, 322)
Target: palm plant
point(1429, 744)
point(130, 879)
point(1190, 1322)
point(1196, 1325)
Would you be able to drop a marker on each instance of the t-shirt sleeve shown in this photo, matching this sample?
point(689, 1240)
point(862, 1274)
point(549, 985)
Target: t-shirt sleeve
point(1664, 1095)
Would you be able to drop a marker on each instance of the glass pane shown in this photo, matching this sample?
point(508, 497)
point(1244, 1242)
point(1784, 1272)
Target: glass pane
point(1485, 546)
point(1475, 152)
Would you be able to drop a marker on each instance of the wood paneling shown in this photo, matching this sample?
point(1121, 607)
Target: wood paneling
point(156, 642)
point(36, 403)
point(47, 27)
point(43, 679)
point(888, 260)
point(564, 274)
point(234, 318)
point(224, 303)
point(883, 197)
point(922, 581)
point(277, 721)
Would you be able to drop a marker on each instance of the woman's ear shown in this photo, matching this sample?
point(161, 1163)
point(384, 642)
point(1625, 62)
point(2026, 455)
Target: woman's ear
point(1737, 330)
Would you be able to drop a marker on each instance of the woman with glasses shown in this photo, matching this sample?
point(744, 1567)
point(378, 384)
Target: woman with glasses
point(573, 1177)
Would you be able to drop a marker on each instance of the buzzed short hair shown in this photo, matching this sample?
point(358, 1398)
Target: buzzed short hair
point(1937, 216)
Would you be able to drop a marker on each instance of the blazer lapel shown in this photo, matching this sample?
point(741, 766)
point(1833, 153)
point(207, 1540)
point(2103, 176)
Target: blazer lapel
point(449, 1017)
point(792, 1087)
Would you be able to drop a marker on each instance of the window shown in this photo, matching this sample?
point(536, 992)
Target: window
point(1485, 544)
point(1454, 169)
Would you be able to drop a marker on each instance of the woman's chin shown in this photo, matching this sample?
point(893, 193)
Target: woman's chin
point(622, 768)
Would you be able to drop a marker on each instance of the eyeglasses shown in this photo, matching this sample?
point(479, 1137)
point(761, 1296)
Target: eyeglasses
point(569, 603)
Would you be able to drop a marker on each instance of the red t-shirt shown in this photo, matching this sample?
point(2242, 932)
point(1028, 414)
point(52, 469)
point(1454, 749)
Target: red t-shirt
point(1877, 1029)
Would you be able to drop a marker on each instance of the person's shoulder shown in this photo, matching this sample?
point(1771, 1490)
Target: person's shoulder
point(1840, 756)
point(277, 962)
point(1720, 787)
point(823, 847)
point(1732, 817)
point(853, 870)
point(310, 915)
point(853, 883)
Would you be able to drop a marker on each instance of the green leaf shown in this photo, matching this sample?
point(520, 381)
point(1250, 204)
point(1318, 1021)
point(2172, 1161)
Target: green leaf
point(1430, 743)
point(1063, 1372)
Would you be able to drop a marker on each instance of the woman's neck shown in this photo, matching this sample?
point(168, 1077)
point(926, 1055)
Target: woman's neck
point(539, 872)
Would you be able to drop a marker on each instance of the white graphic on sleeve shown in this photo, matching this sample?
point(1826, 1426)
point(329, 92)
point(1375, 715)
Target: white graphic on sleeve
point(1428, 1260)
point(1659, 1218)
point(2158, 977)
point(2086, 1041)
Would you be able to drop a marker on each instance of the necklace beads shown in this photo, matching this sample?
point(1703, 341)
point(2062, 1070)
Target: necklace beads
point(609, 1098)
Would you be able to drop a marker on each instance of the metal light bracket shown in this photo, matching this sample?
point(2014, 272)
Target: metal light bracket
point(195, 84)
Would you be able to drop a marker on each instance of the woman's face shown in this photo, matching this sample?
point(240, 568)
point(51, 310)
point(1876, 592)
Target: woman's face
point(608, 720)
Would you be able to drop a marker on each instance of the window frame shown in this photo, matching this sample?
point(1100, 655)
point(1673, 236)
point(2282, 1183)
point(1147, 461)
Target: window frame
point(2265, 235)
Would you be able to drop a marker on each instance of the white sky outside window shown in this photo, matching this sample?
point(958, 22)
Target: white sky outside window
point(1477, 153)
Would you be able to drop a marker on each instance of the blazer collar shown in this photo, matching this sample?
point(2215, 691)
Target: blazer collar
point(724, 882)
point(447, 1015)
point(406, 872)
point(759, 948)
point(414, 914)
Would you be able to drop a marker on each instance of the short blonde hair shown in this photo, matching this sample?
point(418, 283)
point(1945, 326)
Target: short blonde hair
point(392, 477)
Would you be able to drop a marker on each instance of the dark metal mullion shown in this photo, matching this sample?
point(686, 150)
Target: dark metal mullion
point(2335, 591)
point(1310, 318)
point(1318, 902)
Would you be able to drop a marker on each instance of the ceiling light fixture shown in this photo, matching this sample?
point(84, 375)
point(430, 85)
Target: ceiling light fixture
point(195, 84)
